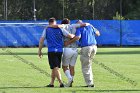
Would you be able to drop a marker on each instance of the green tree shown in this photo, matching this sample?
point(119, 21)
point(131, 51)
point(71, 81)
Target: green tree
point(73, 9)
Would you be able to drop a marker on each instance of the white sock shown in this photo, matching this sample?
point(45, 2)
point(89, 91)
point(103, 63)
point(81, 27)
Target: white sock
point(67, 73)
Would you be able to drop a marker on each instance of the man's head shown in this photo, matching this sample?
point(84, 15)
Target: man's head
point(65, 21)
point(79, 22)
point(52, 21)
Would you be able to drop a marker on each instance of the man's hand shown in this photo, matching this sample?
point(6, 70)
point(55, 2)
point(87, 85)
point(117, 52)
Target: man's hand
point(97, 33)
point(87, 24)
point(71, 36)
point(66, 43)
point(40, 54)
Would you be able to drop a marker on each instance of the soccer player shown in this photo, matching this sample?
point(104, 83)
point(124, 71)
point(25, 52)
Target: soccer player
point(55, 44)
point(86, 37)
point(70, 52)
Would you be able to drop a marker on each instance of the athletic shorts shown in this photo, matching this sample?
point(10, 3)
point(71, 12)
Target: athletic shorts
point(54, 59)
point(69, 56)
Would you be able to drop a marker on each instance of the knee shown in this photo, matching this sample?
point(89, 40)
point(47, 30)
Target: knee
point(65, 67)
point(53, 76)
point(72, 67)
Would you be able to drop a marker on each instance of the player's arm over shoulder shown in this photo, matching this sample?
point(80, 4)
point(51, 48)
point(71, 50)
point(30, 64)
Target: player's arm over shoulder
point(79, 25)
point(56, 26)
point(66, 33)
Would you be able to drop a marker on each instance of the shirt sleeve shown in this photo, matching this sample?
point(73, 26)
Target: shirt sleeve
point(75, 25)
point(44, 33)
point(65, 32)
point(94, 28)
point(78, 32)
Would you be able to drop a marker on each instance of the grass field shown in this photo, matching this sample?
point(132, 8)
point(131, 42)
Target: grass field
point(20, 76)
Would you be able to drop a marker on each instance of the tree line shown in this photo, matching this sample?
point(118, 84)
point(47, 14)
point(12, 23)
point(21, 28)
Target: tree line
point(73, 9)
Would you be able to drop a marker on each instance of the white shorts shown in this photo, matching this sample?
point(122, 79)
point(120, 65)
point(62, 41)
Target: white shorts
point(69, 56)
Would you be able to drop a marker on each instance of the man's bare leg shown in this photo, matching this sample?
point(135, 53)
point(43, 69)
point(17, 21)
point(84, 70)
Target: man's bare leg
point(58, 75)
point(72, 72)
point(52, 77)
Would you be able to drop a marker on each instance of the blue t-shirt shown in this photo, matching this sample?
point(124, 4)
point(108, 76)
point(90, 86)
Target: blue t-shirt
point(87, 36)
point(54, 37)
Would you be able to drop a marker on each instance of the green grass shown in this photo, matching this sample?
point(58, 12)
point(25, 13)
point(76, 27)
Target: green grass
point(19, 77)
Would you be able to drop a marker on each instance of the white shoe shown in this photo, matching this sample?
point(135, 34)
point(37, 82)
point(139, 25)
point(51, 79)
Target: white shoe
point(69, 84)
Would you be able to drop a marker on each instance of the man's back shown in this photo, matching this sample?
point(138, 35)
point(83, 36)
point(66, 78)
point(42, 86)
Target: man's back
point(71, 29)
point(54, 38)
point(87, 34)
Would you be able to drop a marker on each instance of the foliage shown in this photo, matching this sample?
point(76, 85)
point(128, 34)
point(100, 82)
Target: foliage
point(73, 9)
point(118, 17)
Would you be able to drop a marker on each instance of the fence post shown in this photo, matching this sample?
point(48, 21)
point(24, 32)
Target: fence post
point(5, 9)
point(120, 23)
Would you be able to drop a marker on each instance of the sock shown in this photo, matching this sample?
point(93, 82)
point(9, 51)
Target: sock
point(67, 73)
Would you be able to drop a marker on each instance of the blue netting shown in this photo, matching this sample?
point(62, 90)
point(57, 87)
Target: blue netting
point(28, 34)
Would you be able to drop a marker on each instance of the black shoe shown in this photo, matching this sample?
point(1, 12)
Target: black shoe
point(71, 84)
point(61, 85)
point(49, 85)
point(89, 86)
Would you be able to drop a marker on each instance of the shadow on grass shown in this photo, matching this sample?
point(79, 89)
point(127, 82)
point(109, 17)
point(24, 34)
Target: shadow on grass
point(98, 53)
point(27, 53)
point(77, 90)
point(119, 52)
point(20, 87)
point(118, 90)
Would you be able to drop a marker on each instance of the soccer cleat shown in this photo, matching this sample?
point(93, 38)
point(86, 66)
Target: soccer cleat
point(61, 85)
point(49, 85)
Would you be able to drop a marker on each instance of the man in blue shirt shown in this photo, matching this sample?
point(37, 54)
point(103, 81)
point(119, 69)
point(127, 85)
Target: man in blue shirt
point(54, 37)
point(70, 52)
point(86, 37)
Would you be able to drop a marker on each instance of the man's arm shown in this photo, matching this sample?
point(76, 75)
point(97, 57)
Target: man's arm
point(96, 31)
point(77, 37)
point(80, 25)
point(56, 26)
point(84, 24)
point(41, 42)
point(70, 36)
point(66, 43)
point(66, 33)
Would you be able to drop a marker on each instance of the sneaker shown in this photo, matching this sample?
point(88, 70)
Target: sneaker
point(49, 85)
point(69, 84)
point(61, 85)
point(89, 86)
